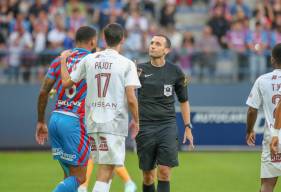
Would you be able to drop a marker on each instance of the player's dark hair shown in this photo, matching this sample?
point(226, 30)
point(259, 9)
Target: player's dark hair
point(85, 34)
point(113, 34)
point(168, 41)
point(276, 53)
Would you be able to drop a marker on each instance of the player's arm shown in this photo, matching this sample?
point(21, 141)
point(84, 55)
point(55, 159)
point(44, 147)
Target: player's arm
point(65, 76)
point(251, 120)
point(277, 125)
point(254, 102)
point(133, 107)
point(41, 128)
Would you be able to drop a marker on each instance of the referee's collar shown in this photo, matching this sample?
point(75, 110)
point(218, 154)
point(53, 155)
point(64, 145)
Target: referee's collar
point(81, 50)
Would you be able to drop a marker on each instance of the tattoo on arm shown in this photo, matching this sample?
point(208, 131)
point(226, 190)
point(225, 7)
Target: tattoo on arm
point(43, 98)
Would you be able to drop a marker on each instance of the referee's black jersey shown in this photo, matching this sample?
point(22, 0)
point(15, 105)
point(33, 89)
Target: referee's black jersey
point(157, 95)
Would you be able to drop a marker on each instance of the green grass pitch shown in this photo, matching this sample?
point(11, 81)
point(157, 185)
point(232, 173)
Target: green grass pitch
point(198, 172)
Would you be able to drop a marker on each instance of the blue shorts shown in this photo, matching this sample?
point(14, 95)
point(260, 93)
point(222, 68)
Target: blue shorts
point(69, 139)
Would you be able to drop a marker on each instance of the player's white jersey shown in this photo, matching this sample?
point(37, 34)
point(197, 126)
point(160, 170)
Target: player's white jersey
point(107, 74)
point(265, 95)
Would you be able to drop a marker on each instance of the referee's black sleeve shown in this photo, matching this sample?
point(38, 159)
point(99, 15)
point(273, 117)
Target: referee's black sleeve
point(181, 86)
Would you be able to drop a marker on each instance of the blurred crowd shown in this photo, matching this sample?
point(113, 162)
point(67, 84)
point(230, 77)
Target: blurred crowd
point(234, 43)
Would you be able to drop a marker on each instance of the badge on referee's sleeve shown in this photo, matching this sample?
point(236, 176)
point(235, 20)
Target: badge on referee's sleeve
point(168, 90)
point(187, 80)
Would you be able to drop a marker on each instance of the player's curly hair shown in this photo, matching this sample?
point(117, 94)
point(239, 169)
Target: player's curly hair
point(85, 34)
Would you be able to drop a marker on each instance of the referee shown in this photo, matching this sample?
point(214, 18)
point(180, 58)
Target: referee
point(157, 144)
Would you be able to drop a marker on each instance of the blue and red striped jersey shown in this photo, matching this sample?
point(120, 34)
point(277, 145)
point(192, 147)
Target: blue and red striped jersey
point(70, 99)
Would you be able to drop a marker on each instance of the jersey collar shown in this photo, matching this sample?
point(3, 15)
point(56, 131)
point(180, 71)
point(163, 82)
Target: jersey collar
point(81, 50)
point(111, 50)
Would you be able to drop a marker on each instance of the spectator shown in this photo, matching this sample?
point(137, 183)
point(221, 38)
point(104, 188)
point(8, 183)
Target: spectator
point(108, 12)
point(276, 33)
point(276, 7)
point(2, 42)
point(208, 47)
point(39, 36)
point(219, 25)
point(56, 7)
point(186, 52)
point(20, 41)
point(57, 35)
point(37, 7)
point(224, 5)
point(260, 16)
point(153, 29)
point(5, 17)
point(72, 4)
point(136, 25)
point(20, 19)
point(76, 20)
point(13, 7)
point(167, 14)
point(149, 6)
point(239, 4)
point(236, 41)
point(257, 42)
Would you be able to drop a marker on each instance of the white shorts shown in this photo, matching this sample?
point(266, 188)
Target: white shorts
point(107, 148)
point(270, 165)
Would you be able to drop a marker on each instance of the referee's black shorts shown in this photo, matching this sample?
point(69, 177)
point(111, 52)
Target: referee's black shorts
point(157, 144)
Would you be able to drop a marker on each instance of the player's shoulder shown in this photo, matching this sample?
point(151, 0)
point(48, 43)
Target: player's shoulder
point(55, 62)
point(124, 59)
point(267, 77)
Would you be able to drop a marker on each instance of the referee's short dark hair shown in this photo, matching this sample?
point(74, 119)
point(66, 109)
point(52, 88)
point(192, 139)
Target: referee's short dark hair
point(276, 53)
point(85, 34)
point(113, 34)
point(168, 41)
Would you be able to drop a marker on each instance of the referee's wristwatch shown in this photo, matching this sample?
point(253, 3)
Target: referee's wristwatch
point(189, 125)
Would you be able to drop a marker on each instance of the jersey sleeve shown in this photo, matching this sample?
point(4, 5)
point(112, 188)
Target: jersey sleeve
point(255, 98)
point(79, 70)
point(181, 86)
point(53, 69)
point(131, 76)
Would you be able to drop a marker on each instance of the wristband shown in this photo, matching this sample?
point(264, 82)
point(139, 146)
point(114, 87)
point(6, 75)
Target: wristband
point(275, 132)
point(188, 125)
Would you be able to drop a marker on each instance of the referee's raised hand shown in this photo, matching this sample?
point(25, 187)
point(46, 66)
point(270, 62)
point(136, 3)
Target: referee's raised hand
point(188, 136)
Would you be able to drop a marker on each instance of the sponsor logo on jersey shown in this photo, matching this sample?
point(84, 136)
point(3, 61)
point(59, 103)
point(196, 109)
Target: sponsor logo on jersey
point(103, 144)
point(148, 75)
point(59, 152)
point(276, 157)
point(93, 144)
point(68, 104)
point(168, 90)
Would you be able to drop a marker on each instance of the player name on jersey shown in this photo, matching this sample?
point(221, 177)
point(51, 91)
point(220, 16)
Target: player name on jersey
point(106, 105)
point(68, 104)
point(103, 65)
